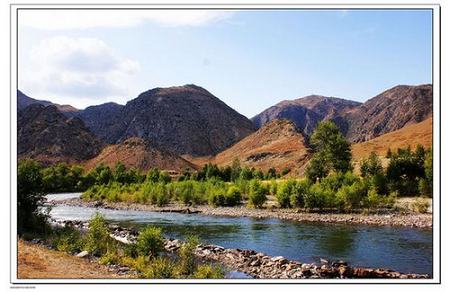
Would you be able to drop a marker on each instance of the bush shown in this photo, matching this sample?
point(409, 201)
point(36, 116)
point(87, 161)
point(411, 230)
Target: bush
point(30, 196)
point(284, 193)
point(233, 197)
point(420, 205)
point(257, 194)
point(97, 237)
point(150, 242)
point(208, 271)
point(315, 198)
point(372, 200)
point(68, 239)
point(159, 268)
point(187, 257)
point(300, 191)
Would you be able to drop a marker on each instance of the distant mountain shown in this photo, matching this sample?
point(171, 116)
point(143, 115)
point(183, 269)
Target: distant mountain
point(24, 100)
point(183, 120)
point(306, 112)
point(389, 111)
point(277, 144)
point(47, 135)
point(138, 153)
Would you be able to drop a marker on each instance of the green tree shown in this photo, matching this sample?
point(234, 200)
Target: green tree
point(30, 196)
point(331, 151)
point(150, 242)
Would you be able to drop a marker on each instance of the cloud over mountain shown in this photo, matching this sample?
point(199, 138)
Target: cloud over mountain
point(77, 68)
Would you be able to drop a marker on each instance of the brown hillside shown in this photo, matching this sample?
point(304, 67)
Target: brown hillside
point(138, 153)
point(420, 133)
point(277, 144)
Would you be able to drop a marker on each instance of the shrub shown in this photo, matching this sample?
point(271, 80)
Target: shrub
point(233, 197)
point(315, 198)
point(150, 242)
point(420, 205)
point(207, 271)
point(297, 198)
point(68, 239)
point(257, 194)
point(372, 200)
point(159, 268)
point(97, 237)
point(110, 258)
point(187, 257)
point(30, 196)
point(284, 193)
point(350, 197)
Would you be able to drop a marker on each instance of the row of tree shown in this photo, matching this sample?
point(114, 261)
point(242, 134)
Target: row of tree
point(409, 173)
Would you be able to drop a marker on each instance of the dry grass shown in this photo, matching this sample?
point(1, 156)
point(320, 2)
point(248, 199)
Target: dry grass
point(277, 144)
point(420, 133)
point(36, 262)
point(135, 152)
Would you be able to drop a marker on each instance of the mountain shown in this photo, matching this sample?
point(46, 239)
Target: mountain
point(104, 120)
point(138, 153)
point(47, 135)
point(389, 111)
point(183, 120)
point(411, 135)
point(277, 144)
point(24, 100)
point(306, 112)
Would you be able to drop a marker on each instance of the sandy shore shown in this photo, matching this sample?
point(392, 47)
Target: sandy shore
point(390, 219)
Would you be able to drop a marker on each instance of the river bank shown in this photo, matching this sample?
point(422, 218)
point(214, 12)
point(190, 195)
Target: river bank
point(407, 219)
point(259, 265)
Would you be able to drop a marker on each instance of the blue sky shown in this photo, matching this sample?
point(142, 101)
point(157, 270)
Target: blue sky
point(249, 59)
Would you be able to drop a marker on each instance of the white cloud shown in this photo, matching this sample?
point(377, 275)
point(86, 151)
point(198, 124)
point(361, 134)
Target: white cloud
point(76, 68)
point(84, 19)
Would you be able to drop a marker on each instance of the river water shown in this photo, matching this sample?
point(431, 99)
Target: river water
point(407, 250)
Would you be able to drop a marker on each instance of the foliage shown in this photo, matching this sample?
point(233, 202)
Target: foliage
point(187, 256)
point(97, 238)
point(159, 268)
point(406, 168)
point(208, 271)
point(150, 242)
point(257, 194)
point(68, 239)
point(30, 197)
point(331, 151)
point(420, 205)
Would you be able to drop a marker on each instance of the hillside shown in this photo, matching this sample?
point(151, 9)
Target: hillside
point(24, 100)
point(277, 144)
point(138, 153)
point(420, 133)
point(47, 135)
point(104, 120)
point(389, 111)
point(306, 112)
point(184, 120)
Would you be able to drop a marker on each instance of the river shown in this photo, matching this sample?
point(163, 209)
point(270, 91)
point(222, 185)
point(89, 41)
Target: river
point(407, 250)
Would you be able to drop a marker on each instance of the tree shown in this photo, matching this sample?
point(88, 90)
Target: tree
point(331, 151)
point(30, 196)
point(371, 166)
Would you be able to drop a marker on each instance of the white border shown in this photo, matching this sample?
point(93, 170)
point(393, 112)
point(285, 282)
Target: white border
point(436, 140)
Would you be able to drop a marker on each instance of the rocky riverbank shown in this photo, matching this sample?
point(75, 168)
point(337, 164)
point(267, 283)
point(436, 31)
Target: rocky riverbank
point(390, 219)
point(259, 265)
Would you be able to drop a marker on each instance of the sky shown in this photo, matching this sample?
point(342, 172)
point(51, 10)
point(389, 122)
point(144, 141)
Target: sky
point(250, 59)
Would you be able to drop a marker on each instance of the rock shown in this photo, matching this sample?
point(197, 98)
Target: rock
point(83, 254)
